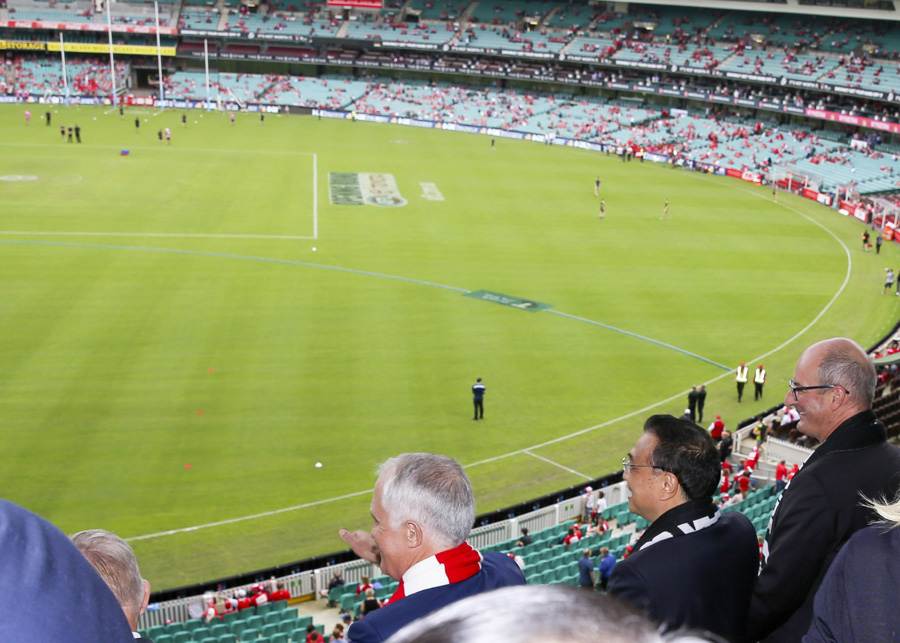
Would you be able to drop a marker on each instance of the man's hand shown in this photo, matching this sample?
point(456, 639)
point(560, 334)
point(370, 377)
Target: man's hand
point(363, 545)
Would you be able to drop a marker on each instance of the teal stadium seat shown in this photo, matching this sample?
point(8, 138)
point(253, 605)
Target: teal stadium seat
point(299, 634)
point(288, 622)
point(269, 629)
point(181, 637)
point(218, 629)
point(264, 608)
point(193, 625)
point(347, 601)
point(227, 637)
point(207, 639)
point(304, 621)
point(155, 631)
point(163, 638)
point(334, 595)
point(250, 634)
point(281, 637)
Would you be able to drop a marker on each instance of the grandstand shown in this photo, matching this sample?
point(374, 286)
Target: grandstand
point(702, 84)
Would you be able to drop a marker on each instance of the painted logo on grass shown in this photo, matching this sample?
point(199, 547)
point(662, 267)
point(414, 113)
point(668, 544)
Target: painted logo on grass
point(506, 300)
point(346, 188)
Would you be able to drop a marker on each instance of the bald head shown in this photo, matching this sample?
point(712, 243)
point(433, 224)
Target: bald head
point(844, 362)
point(839, 379)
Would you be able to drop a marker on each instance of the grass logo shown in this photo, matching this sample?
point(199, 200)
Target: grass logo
point(345, 188)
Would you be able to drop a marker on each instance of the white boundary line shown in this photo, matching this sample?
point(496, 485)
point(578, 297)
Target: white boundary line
point(557, 464)
point(315, 196)
point(528, 450)
point(174, 235)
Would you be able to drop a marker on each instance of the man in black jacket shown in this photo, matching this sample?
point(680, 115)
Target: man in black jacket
point(832, 389)
point(693, 567)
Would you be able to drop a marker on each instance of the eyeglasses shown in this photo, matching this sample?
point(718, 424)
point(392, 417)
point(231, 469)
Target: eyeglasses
point(795, 389)
point(627, 465)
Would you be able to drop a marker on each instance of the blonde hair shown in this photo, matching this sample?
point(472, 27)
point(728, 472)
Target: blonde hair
point(888, 511)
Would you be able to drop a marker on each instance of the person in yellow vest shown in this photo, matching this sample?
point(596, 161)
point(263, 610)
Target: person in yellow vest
point(759, 378)
point(741, 378)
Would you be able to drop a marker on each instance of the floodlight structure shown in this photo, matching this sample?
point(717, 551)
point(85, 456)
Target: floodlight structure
point(112, 60)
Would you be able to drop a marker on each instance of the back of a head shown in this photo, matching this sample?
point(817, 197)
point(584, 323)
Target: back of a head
point(57, 594)
point(114, 560)
point(535, 614)
point(433, 490)
point(687, 451)
point(845, 362)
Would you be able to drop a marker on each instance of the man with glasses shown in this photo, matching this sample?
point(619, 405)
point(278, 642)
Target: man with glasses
point(693, 566)
point(832, 390)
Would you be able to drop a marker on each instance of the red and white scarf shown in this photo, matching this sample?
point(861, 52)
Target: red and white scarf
point(445, 568)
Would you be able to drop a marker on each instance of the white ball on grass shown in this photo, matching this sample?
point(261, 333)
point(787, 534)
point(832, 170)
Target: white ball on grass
point(318, 465)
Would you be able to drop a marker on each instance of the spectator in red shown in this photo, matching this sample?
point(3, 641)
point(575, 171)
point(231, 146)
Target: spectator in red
point(313, 635)
point(363, 586)
point(244, 601)
point(572, 537)
point(781, 472)
point(280, 593)
point(259, 596)
point(716, 429)
point(742, 482)
point(210, 612)
point(752, 460)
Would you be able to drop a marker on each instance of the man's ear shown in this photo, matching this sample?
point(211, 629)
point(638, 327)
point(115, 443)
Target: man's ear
point(146, 600)
point(669, 486)
point(414, 534)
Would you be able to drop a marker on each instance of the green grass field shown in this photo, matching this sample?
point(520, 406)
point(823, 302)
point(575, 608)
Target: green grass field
point(142, 290)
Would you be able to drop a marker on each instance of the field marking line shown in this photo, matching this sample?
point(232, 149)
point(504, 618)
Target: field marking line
point(263, 514)
point(640, 337)
point(315, 196)
point(557, 464)
point(223, 255)
point(170, 235)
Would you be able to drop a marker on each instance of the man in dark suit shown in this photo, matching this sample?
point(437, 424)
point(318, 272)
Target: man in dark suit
point(820, 508)
point(423, 508)
point(701, 402)
point(57, 594)
point(114, 560)
point(693, 398)
point(693, 567)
